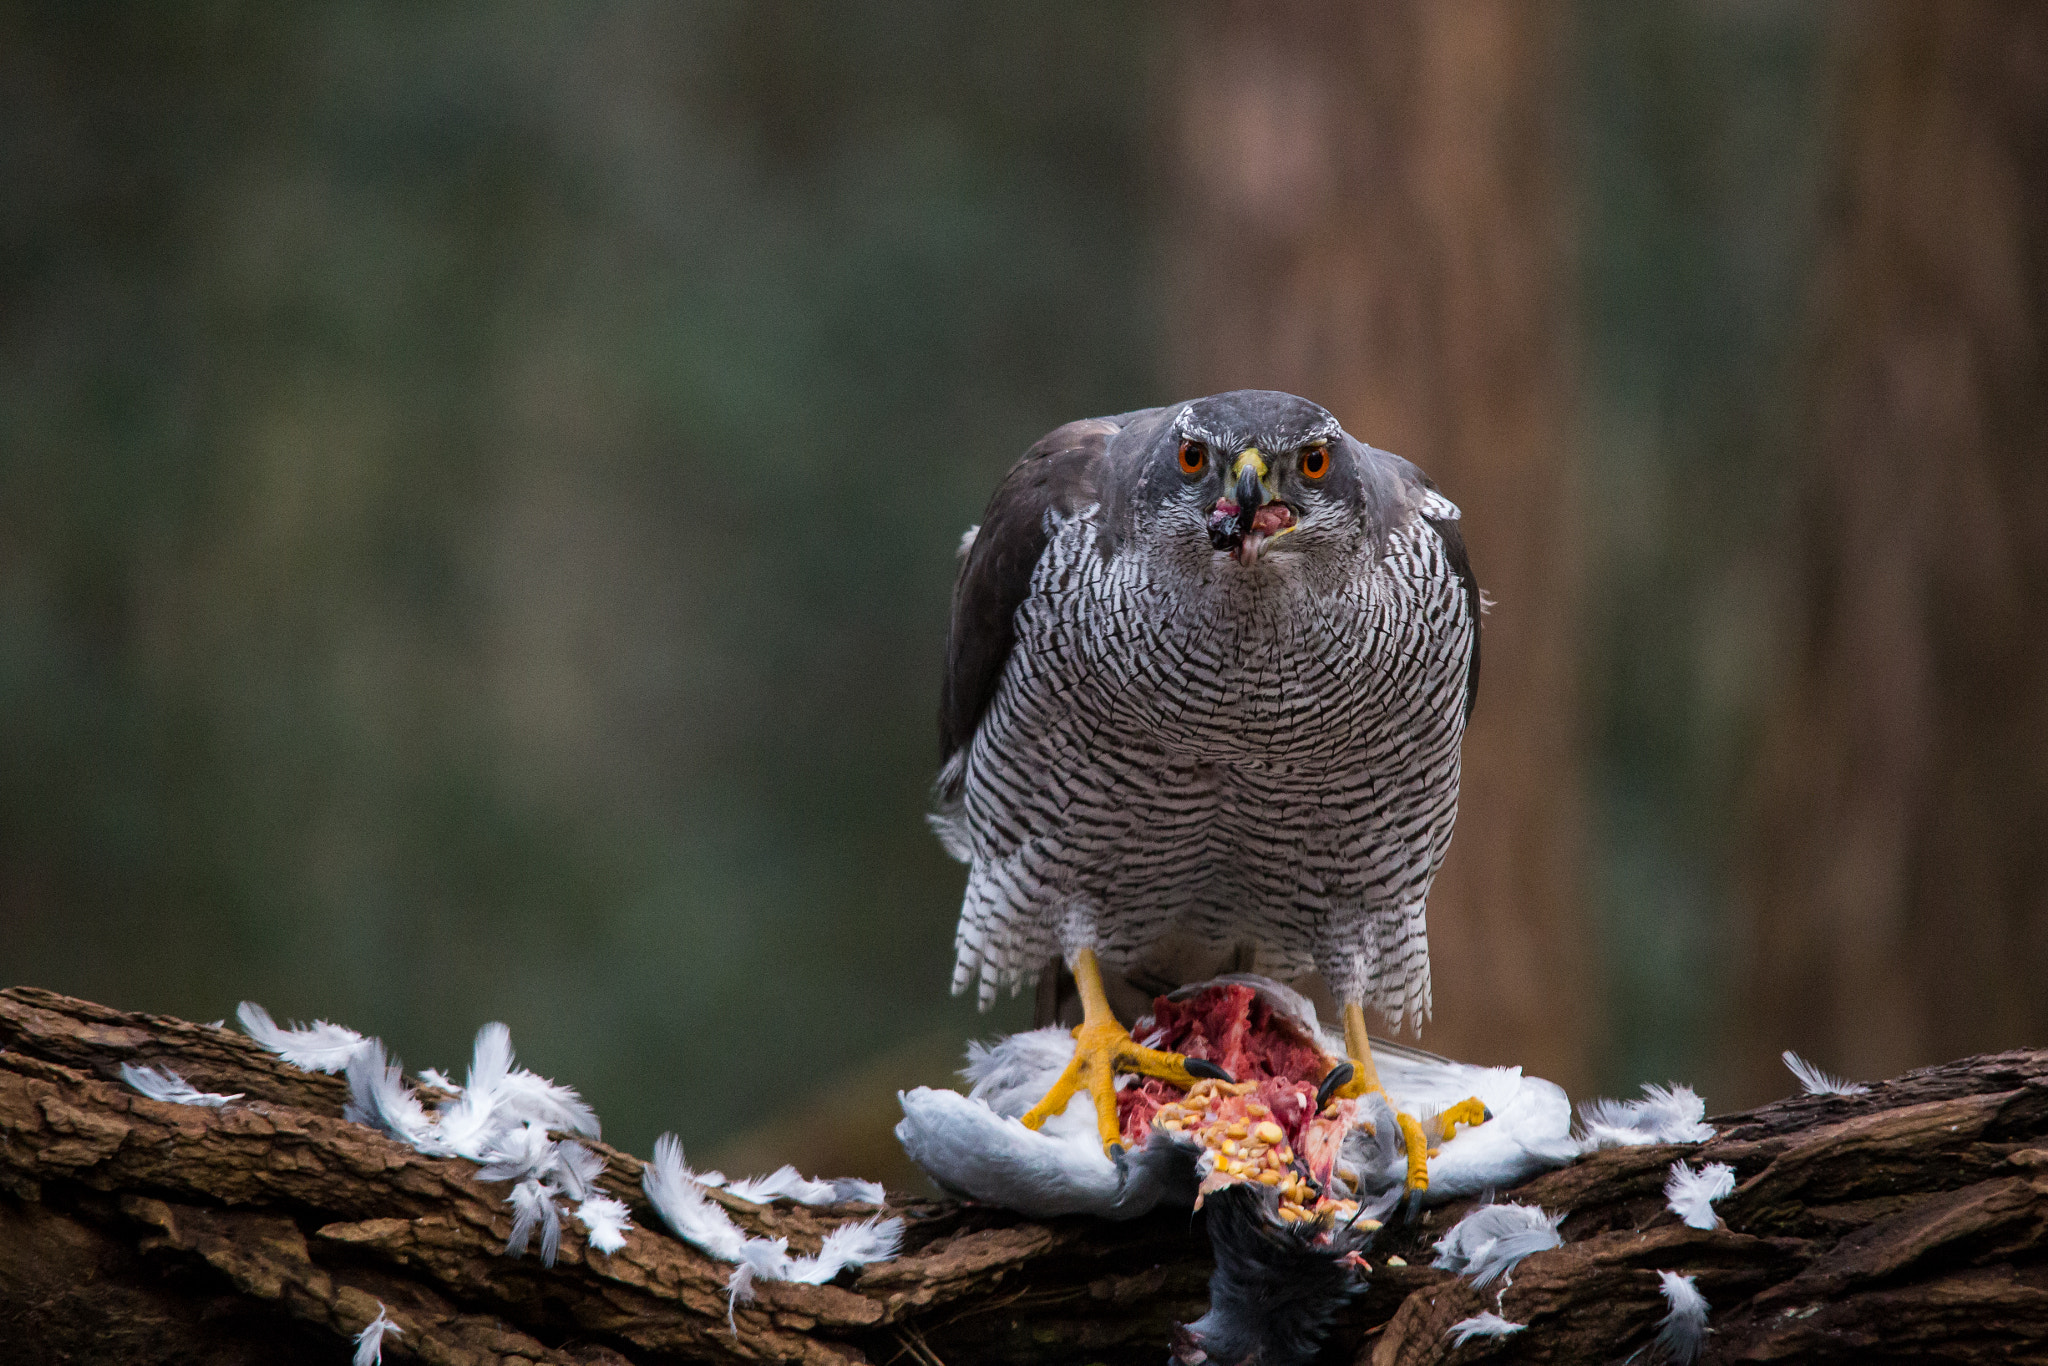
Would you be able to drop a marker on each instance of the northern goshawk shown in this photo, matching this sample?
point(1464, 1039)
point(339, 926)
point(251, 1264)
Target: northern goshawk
point(1208, 671)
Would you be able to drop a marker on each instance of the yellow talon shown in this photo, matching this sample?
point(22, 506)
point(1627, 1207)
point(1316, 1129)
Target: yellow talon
point(1468, 1112)
point(1103, 1048)
point(1366, 1078)
point(1418, 1151)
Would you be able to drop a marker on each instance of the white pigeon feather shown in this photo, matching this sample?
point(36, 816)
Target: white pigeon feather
point(1672, 1114)
point(533, 1206)
point(855, 1190)
point(851, 1244)
point(783, 1183)
point(1485, 1325)
point(1691, 1194)
point(739, 1290)
point(470, 1123)
point(576, 1170)
point(439, 1080)
point(529, 1096)
point(1683, 1331)
point(1008, 1075)
point(167, 1085)
point(317, 1047)
point(370, 1342)
point(697, 1220)
point(607, 1220)
point(1814, 1082)
point(1491, 1240)
point(682, 1205)
point(518, 1154)
point(379, 1097)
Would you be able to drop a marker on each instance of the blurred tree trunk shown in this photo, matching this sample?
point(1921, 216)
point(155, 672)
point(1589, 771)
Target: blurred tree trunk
point(1369, 212)
point(1897, 901)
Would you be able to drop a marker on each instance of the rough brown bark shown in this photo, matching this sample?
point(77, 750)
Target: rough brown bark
point(1912, 1221)
point(1370, 213)
point(1897, 901)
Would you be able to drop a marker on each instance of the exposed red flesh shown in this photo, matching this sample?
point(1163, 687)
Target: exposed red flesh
point(1272, 517)
point(1233, 1027)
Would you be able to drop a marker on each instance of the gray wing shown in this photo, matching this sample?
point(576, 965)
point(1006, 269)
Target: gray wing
point(1062, 473)
point(1449, 531)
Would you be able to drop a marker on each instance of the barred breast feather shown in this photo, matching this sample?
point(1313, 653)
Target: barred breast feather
point(1144, 737)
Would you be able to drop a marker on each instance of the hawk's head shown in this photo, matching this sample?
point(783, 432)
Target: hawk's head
point(1252, 474)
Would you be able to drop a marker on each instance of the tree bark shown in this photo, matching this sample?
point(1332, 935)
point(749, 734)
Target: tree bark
point(1912, 1221)
point(1369, 213)
point(1897, 901)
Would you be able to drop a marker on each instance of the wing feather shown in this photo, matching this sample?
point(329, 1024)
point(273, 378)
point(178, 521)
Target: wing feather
point(1061, 474)
point(1451, 532)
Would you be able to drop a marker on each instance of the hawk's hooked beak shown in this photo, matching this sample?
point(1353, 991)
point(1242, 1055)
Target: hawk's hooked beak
point(1248, 516)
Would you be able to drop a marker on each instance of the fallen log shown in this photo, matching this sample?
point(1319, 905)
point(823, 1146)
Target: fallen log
point(1907, 1222)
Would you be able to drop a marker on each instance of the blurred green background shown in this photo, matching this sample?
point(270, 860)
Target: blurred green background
point(479, 483)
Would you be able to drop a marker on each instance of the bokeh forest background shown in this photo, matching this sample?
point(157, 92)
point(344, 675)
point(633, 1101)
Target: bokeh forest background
point(479, 485)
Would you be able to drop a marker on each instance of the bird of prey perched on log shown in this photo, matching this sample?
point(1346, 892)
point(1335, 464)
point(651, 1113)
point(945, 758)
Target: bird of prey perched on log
point(1208, 670)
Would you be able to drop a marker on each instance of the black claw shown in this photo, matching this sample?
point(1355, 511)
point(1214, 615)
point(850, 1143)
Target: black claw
point(1337, 1076)
point(1202, 1067)
point(1412, 1206)
point(1116, 1150)
point(1486, 1115)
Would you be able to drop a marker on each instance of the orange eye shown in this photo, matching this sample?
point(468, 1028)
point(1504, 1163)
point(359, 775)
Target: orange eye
point(1315, 462)
point(1194, 457)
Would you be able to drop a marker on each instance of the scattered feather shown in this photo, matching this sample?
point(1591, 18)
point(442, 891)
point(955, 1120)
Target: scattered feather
point(679, 1199)
point(1671, 1114)
point(521, 1154)
point(851, 1244)
point(1691, 1194)
point(967, 539)
point(169, 1086)
point(1486, 1325)
point(370, 1342)
point(317, 1047)
point(533, 1206)
point(1682, 1332)
point(681, 1203)
point(439, 1080)
point(854, 1190)
point(1814, 1082)
point(1490, 1241)
point(783, 1183)
point(379, 1097)
point(553, 1104)
point(739, 1290)
point(608, 1221)
point(576, 1170)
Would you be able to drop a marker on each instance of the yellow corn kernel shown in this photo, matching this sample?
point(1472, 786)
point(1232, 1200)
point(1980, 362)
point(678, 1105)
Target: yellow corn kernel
point(1269, 1178)
point(1270, 1133)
